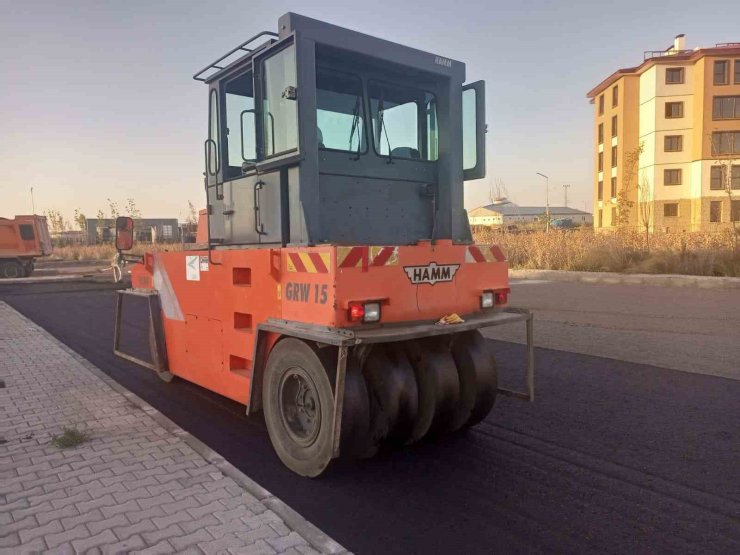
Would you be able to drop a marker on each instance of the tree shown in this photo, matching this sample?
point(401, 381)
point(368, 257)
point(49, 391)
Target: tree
point(629, 174)
point(725, 153)
point(192, 217)
point(132, 210)
point(100, 216)
point(80, 220)
point(645, 204)
point(56, 221)
point(113, 207)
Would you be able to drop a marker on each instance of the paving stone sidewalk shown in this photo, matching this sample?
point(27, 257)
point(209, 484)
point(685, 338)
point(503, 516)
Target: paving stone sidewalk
point(135, 486)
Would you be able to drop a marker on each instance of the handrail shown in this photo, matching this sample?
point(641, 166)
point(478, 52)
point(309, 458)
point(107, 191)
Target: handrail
point(243, 46)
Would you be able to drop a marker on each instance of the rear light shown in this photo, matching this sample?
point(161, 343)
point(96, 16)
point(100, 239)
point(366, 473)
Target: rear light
point(486, 299)
point(364, 312)
point(356, 312)
point(502, 296)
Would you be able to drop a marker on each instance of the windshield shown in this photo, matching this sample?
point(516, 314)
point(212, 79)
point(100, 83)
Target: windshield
point(404, 121)
point(339, 114)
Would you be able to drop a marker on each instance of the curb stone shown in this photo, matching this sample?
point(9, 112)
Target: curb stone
point(318, 539)
point(613, 278)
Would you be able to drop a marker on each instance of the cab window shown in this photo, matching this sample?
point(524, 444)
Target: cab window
point(404, 121)
point(279, 103)
point(339, 111)
point(240, 123)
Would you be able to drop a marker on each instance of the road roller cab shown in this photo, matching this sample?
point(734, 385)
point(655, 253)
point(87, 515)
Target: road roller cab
point(338, 288)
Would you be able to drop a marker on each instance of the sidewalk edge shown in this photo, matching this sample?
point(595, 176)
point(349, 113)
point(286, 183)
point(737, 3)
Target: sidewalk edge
point(612, 278)
point(318, 539)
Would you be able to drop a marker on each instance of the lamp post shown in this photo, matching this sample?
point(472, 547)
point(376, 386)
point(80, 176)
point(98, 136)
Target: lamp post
point(565, 188)
point(547, 201)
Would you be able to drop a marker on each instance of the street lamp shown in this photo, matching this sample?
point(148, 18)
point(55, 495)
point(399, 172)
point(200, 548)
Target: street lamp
point(547, 201)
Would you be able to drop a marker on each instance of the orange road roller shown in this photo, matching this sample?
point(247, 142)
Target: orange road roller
point(337, 288)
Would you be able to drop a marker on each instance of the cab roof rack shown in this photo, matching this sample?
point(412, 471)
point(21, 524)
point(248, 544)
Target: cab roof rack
point(242, 47)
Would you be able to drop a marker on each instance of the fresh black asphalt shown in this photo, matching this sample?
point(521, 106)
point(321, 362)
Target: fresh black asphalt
point(613, 457)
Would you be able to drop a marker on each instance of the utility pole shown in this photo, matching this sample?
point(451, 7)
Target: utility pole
point(33, 206)
point(547, 201)
point(565, 188)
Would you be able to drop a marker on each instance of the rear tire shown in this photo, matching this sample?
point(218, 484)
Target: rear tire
point(298, 404)
point(11, 270)
point(478, 375)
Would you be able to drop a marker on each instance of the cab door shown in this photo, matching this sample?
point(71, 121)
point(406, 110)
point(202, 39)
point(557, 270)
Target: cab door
point(213, 169)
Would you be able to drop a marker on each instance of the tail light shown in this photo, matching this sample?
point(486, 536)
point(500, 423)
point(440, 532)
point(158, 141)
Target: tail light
point(502, 296)
point(364, 312)
point(497, 297)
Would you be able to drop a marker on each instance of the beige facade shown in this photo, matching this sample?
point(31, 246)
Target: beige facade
point(668, 112)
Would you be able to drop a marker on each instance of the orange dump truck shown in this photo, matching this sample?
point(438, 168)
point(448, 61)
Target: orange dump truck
point(22, 240)
point(336, 287)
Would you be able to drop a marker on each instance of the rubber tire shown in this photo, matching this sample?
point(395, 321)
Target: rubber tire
point(438, 383)
point(476, 366)
point(11, 270)
point(355, 433)
point(288, 353)
point(394, 396)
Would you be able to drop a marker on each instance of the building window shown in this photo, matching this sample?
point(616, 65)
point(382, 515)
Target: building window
point(167, 231)
point(614, 216)
point(715, 211)
point(726, 107)
point(670, 209)
point(601, 161)
point(720, 72)
point(673, 143)
point(735, 211)
point(725, 142)
point(614, 126)
point(737, 72)
point(601, 105)
point(600, 191)
point(674, 109)
point(601, 133)
point(614, 157)
point(601, 218)
point(716, 173)
point(674, 75)
point(718, 178)
point(615, 96)
point(614, 187)
point(671, 177)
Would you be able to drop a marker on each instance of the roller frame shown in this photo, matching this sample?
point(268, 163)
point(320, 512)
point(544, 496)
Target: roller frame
point(344, 338)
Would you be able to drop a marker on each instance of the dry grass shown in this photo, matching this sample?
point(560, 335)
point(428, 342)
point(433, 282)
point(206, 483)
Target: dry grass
point(696, 253)
point(105, 251)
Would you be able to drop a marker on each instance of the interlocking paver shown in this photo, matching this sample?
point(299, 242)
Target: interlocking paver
point(133, 487)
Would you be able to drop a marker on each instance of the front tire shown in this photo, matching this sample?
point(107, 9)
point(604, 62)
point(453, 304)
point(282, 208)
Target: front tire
point(11, 269)
point(298, 405)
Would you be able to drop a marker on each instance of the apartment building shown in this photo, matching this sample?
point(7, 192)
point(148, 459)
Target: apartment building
point(667, 133)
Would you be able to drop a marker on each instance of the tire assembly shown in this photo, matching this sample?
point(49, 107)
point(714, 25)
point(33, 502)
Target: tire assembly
point(395, 394)
point(11, 269)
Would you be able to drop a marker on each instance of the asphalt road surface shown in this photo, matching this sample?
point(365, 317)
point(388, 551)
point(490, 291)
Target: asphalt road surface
point(613, 456)
point(684, 328)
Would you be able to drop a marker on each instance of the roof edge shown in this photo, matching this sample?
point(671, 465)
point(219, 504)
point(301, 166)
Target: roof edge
point(695, 55)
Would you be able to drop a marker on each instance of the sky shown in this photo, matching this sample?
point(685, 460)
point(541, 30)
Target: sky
point(97, 100)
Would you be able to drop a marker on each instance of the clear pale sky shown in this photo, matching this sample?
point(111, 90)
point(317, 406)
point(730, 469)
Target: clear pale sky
point(97, 100)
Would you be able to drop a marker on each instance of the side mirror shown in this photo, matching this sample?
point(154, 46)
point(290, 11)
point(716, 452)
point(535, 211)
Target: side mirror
point(124, 233)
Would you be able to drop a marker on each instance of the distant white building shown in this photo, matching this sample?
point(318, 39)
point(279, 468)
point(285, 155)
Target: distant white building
point(508, 213)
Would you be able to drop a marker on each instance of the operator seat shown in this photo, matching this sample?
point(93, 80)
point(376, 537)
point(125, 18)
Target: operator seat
point(405, 152)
